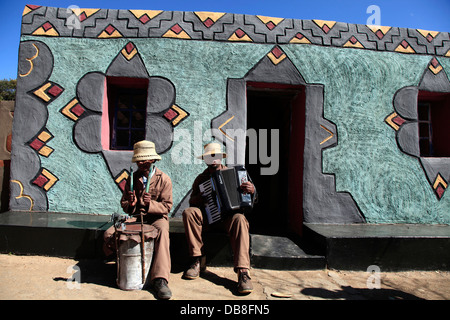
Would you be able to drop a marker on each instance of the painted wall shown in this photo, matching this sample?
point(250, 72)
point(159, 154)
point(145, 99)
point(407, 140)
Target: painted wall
point(360, 159)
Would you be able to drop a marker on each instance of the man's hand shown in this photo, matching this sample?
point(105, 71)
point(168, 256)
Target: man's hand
point(248, 187)
point(147, 198)
point(132, 200)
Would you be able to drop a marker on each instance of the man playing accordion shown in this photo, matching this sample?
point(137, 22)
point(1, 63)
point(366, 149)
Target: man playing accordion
point(235, 224)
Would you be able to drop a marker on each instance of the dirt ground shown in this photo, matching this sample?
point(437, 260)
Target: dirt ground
point(51, 278)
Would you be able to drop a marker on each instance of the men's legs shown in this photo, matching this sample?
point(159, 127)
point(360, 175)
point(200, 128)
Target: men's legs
point(193, 226)
point(161, 263)
point(237, 227)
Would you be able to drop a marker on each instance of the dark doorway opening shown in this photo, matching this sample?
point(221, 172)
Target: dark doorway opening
point(274, 107)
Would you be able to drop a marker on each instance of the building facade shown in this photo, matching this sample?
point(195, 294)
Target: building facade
point(335, 122)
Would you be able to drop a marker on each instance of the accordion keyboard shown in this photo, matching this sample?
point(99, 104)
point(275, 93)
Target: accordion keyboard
point(212, 206)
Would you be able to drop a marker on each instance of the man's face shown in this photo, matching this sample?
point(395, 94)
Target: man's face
point(144, 166)
point(213, 160)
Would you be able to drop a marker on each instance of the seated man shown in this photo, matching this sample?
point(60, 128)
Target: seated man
point(154, 206)
point(236, 225)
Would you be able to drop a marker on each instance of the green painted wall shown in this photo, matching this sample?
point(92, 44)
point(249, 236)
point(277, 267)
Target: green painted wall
point(387, 185)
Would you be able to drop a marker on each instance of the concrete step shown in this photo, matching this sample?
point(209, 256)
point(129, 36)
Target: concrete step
point(281, 253)
point(52, 234)
point(390, 247)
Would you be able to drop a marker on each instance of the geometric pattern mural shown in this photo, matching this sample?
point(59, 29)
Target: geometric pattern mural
point(404, 120)
point(32, 140)
point(39, 142)
point(320, 133)
point(107, 24)
point(86, 109)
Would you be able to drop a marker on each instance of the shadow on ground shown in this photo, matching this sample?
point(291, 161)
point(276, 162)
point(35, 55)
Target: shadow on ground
point(350, 293)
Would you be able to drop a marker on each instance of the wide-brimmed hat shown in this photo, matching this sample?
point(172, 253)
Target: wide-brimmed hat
point(212, 149)
point(144, 150)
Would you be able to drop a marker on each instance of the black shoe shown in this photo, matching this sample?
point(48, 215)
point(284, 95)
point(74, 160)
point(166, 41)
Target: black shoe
point(161, 288)
point(198, 265)
point(244, 282)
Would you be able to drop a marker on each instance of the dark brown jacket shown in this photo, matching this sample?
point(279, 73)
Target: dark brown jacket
point(160, 190)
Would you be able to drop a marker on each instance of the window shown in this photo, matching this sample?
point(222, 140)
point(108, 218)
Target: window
point(127, 104)
point(434, 124)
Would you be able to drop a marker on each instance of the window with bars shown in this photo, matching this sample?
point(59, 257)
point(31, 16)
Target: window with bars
point(425, 129)
point(127, 104)
point(434, 124)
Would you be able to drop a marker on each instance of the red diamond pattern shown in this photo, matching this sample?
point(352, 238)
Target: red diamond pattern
point(110, 29)
point(270, 25)
point(398, 120)
point(277, 52)
point(36, 144)
point(82, 17)
point(40, 181)
point(379, 34)
point(77, 110)
point(122, 184)
point(129, 47)
point(404, 44)
point(440, 191)
point(240, 33)
point(47, 26)
point(170, 114)
point(55, 90)
point(434, 62)
point(176, 28)
point(208, 22)
point(144, 19)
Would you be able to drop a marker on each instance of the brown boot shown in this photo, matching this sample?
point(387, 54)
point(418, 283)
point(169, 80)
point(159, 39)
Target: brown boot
point(197, 266)
point(162, 289)
point(244, 282)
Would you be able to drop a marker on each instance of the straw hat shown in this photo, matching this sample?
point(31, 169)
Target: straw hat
point(212, 149)
point(144, 150)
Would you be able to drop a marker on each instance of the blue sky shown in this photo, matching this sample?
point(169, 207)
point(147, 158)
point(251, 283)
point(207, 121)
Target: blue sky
point(431, 15)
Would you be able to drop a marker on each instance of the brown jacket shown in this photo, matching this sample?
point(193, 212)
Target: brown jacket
point(160, 190)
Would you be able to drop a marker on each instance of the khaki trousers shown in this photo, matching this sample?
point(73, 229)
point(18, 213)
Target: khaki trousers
point(236, 226)
point(161, 263)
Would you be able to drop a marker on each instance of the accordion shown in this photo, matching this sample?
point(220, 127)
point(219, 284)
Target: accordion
point(224, 195)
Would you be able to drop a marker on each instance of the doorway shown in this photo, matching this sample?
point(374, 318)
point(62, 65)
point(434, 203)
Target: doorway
point(272, 107)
